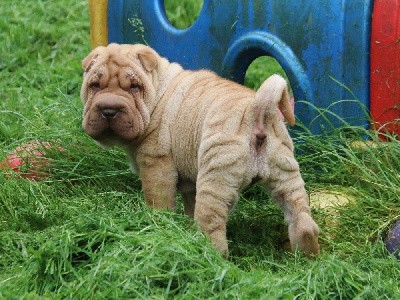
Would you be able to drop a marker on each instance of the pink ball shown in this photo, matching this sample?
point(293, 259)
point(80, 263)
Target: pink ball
point(29, 160)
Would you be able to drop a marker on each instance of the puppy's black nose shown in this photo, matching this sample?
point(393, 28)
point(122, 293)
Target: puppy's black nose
point(109, 113)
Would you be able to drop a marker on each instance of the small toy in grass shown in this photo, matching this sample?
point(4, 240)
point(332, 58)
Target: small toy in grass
point(30, 160)
point(330, 199)
point(393, 240)
point(331, 202)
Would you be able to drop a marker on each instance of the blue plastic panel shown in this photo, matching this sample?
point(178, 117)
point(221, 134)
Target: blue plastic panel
point(323, 46)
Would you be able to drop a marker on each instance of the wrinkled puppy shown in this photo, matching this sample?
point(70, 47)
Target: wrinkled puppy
point(197, 133)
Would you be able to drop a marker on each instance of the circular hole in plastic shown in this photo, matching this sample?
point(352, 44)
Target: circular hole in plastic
point(182, 14)
point(260, 69)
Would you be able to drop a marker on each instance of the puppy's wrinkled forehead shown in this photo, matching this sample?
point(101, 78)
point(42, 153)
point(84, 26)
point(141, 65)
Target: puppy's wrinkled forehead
point(116, 62)
point(121, 56)
point(116, 59)
point(120, 65)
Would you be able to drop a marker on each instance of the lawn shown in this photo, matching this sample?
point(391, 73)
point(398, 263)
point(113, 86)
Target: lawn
point(83, 232)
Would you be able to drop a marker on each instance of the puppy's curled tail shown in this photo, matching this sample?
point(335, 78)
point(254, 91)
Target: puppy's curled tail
point(271, 96)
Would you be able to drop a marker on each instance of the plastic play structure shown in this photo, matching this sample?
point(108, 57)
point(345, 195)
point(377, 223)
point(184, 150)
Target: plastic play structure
point(342, 58)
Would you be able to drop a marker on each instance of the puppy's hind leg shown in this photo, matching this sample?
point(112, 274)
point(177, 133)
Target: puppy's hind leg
point(217, 190)
point(282, 177)
point(288, 190)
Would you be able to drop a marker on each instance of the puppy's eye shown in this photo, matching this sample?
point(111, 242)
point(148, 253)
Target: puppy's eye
point(134, 88)
point(95, 86)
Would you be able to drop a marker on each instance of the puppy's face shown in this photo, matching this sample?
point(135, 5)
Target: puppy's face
point(118, 92)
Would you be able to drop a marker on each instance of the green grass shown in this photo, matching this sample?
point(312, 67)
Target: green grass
point(84, 233)
point(182, 14)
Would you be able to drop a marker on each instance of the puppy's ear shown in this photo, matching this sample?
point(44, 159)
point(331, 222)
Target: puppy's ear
point(148, 58)
point(89, 60)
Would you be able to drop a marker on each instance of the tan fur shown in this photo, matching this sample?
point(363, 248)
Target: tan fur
point(197, 133)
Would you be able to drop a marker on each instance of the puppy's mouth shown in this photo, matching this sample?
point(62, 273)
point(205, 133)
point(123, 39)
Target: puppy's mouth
point(112, 120)
point(110, 124)
point(110, 138)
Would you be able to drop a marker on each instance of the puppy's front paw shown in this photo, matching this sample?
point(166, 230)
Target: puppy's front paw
point(220, 243)
point(303, 235)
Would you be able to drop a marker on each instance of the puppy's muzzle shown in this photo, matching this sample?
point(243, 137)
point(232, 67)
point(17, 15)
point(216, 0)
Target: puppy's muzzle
point(109, 107)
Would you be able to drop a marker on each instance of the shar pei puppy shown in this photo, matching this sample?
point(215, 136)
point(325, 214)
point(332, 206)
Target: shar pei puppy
point(199, 134)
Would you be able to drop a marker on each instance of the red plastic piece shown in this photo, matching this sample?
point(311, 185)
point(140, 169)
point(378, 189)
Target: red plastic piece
point(29, 160)
point(385, 66)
